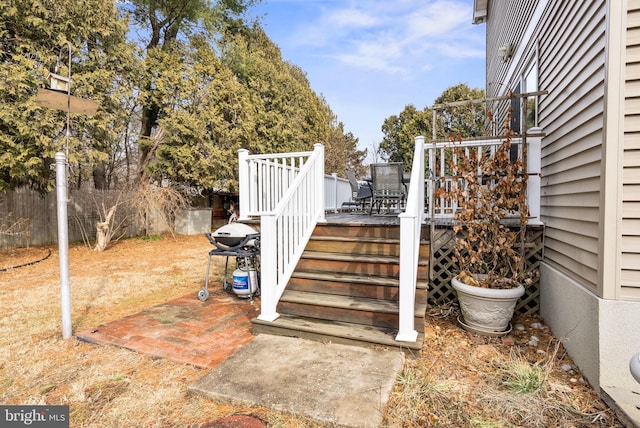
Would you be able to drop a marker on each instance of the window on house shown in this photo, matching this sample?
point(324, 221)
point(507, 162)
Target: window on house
point(530, 84)
point(516, 111)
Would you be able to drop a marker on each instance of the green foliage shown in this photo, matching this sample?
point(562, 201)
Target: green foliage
point(461, 121)
point(206, 119)
point(289, 116)
point(465, 120)
point(524, 378)
point(177, 105)
point(166, 21)
point(341, 152)
point(400, 131)
point(32, 34)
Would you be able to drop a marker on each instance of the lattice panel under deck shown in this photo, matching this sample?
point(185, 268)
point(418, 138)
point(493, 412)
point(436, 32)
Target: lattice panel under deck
point(444, 268)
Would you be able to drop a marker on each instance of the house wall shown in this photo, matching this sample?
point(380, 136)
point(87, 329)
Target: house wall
point(506, 24)
point(572, 70)
point(571, 67)
point(588, 59)
point(630, 221)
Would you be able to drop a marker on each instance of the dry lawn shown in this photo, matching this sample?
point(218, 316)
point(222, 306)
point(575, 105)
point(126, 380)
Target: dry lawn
point(461, 379)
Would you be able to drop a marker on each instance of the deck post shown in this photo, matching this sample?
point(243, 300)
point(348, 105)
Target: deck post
point(534, 160)
point(243, 183)
point(410, 229)
point(334, 191)
point(268, 268)
point(319, 179)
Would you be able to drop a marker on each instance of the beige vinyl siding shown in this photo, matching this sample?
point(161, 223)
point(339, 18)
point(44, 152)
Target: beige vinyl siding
point(507, 21)
point(630, 241)
point(570, 40)
point(572, 70)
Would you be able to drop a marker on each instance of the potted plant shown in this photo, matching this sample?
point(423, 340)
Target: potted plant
point(489, 228)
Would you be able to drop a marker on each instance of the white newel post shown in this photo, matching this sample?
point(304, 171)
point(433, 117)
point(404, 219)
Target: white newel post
point(63, 243)
point(410, 226)
point(268, 268)
point(534, 160)
point(319, 178)
point(243, 183)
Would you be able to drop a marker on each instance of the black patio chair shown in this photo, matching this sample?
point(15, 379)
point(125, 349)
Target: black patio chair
point(360, 193)
point(387, 185)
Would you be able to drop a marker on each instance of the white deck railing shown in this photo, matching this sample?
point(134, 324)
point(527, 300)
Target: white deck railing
point(439, 154)
point(440, 208)
point(336, 191)
point(287, 192)
point(410, 227)
point(260, 174)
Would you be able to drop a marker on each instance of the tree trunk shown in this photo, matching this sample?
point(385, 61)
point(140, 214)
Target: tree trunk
point(103, 231)
point(99, 177)
point(149, 118)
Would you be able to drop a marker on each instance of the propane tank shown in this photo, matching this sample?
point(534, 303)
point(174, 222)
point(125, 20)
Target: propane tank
point(253, 280)
point(245, 283)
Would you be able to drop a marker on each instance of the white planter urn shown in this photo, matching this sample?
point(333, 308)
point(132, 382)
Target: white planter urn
point(634, 367)
point(486, 310)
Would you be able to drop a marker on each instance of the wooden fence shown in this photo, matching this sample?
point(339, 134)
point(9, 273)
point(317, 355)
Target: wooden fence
point(28, 218)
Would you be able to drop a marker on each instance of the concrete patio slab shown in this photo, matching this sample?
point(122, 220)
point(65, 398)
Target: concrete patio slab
point(330, 383)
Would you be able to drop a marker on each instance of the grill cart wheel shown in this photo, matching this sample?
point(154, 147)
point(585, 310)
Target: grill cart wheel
point(203, 295)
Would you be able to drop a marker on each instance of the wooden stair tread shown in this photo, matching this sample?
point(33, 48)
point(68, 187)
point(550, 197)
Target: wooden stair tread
point(318, 255)
point(370, 240)
point(345, 289)
point(349, 332)
point(348, 302)
point(354, 278)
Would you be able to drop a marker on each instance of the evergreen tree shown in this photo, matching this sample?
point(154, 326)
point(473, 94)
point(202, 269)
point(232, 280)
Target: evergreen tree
point(34, 40)
point(289, 116)
point(166, 21)
point(176, 104)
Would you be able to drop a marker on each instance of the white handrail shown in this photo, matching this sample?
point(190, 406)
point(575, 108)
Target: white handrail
point(410, 227)
point(285, 230)
point(264, 179)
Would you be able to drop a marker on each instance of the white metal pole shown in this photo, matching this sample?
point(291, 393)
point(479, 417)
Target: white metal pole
point(63, 243)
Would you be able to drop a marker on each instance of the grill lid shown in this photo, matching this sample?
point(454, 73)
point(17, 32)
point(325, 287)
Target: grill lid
point(233, 233)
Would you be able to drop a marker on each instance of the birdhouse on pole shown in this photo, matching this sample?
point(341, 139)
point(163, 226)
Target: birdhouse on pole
point(58, 83)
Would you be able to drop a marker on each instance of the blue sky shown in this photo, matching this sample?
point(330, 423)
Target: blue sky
point(370, 58)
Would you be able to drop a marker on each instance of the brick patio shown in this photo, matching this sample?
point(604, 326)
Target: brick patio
point(185, 330)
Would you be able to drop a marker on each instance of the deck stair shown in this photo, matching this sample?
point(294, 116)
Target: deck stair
point(345, 288)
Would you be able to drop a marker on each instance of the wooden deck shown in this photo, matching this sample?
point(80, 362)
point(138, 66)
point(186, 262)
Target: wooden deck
point(356, 218)
point(384, 219)
point(362, 219)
